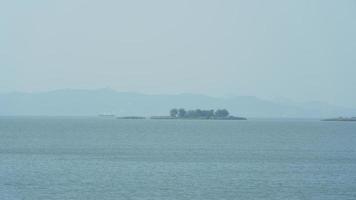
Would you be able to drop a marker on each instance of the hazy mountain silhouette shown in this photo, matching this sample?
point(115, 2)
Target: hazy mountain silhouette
point(94, 102)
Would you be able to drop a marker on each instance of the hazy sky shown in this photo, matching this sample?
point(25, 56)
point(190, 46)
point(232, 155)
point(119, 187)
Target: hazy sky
point(298, 49)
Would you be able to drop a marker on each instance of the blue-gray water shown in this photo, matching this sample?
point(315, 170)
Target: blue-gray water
point(108, 159)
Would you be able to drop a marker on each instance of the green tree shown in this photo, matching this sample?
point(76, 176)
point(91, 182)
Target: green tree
point(221, 113)
point(210, 114)
point(173, 112)
point(181, 113)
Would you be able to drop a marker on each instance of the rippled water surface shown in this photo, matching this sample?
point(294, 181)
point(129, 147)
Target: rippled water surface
point(93, 158)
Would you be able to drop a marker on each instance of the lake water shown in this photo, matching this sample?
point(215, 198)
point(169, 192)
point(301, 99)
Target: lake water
point(108, 159)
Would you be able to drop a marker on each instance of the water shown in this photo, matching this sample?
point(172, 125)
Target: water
point(107, 159)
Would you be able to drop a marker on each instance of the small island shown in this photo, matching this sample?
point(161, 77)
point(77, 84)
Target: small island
point(220, 114)
point(341, 119)
point(107, 115)
point(131, 117)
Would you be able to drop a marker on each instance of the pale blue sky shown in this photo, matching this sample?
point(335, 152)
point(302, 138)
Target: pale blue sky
point(299, 49)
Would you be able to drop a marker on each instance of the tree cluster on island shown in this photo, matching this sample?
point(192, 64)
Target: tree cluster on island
point(202, 114)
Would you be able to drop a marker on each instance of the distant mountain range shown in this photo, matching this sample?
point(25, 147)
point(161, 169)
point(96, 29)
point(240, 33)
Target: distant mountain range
point(94, 102)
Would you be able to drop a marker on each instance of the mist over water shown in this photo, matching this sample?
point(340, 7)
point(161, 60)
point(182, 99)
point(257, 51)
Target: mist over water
point(276, 49)
point(291, 60)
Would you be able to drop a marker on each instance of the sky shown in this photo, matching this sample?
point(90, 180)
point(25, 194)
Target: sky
point(302, 50)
